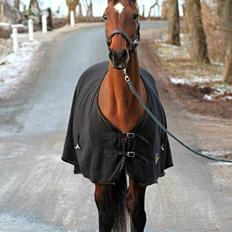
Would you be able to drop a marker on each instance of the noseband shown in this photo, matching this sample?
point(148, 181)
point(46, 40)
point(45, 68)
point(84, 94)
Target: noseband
point(131, 42)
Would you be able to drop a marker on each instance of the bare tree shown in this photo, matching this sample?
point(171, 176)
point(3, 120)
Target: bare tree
point(143, 12)
point(89, 8)
point(152, 7)
point(17, 4)
point(185, 19)
point(72, 4)
point(225, 18)
point(174, 23)
point(199, 50)
point(164, 13)
point(34, 5)
point(80, 13)
point(8, 13)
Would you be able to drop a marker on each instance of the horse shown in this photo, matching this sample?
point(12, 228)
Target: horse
point(110, 136)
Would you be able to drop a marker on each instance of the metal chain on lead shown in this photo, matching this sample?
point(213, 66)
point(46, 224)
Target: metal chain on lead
point(135, 93)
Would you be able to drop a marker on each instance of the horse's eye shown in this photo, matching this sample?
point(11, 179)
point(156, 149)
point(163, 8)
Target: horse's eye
point(135, 16)
point(104, 17)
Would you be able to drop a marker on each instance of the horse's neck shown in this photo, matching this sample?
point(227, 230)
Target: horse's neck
point(116, 101)
point(116, 80)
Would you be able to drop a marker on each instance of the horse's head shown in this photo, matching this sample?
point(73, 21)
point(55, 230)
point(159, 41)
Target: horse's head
point(122, 30)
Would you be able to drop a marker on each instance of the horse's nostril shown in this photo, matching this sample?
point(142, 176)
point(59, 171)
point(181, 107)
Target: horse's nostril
point(121, 56)
point(124, 55)
point(112, 55)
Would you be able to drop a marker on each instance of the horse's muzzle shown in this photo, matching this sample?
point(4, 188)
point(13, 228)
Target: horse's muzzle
point(120, 59)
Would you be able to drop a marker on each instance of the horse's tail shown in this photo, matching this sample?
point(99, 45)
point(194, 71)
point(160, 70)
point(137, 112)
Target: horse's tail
point(120, 189)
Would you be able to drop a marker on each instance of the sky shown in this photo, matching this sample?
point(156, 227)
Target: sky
point(98, 5)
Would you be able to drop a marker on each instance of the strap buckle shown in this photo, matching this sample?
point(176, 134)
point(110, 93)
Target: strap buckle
point(130, 154)
point(130, 135)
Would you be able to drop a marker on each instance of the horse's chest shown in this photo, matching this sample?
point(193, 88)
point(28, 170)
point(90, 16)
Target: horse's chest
point(143, 134)
point(124, 122)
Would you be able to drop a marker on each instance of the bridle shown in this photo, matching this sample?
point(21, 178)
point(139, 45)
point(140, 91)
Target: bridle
point(132, 43)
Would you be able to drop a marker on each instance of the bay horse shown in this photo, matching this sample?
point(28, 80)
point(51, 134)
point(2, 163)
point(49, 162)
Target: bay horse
point(109, 134)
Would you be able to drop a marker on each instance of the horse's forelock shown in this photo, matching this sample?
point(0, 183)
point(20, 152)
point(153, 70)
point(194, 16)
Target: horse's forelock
point(130, 1)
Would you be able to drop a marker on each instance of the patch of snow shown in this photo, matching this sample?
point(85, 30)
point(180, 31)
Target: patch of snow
point(216, 154)
point(222, 89)
point(15, 66)
point(227, 98)
point(168, 51)
point(219, 91)
point(5, 24)
point(195, 80)
point(178, 81)
point(208, 97)
point(18, 26)
point(164, 37)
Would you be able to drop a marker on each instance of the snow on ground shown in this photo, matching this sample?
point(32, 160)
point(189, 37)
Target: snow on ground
point(195, 80)
point(14, 66)
point(219, 91)
point(223, 155)
point(177, 59)
point(167, 51)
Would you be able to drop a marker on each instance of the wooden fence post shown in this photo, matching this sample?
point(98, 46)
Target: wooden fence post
point(44, 24)
point(15, 39)
point(72, 19)
point(30, 30)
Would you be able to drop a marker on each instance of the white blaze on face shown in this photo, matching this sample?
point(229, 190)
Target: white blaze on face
point(119, 8)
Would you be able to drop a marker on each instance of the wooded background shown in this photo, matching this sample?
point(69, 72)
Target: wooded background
point(209, 24)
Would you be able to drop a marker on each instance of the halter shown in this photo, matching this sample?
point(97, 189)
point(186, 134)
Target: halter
point(132, 42)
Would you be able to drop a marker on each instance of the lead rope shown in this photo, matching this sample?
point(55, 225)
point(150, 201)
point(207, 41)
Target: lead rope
point(135, 93)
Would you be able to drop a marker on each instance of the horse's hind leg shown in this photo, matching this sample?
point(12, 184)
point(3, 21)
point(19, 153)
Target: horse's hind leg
point(135, 205)
point(103, 197)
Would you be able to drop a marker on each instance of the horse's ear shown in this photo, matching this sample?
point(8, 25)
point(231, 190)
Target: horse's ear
point(133, 1)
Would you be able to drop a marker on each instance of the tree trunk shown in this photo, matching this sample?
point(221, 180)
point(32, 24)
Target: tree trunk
point(164, 13)
point(185, 19)
point(1, 11)
point(89, 10)
point(228, 64)
point(174, 23)
point(34, 5)
point(151, 8)
point(72, 4)
point(80, 13)
point(17, 4)
point(225, 16)
point(199, 50)
point(143, 12)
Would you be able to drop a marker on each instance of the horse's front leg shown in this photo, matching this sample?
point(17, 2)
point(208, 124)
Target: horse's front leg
point(103, 197)
point(135, 205)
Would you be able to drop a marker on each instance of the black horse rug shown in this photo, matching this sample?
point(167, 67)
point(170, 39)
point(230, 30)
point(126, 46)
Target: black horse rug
point(100, 151)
